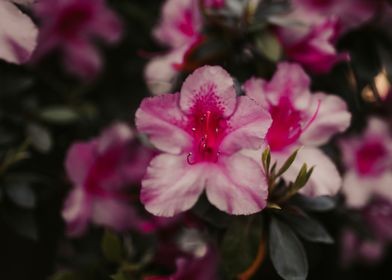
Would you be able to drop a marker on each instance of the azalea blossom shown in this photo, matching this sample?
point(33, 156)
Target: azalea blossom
point(368, 159)
point(302, 120)
point(18, 33)
point(72, 26)
point(200, 131)
point(315, 50)
point(309, 33)
point(191, 258)
point(179, 29)
point(101, 170)
point(214, 4)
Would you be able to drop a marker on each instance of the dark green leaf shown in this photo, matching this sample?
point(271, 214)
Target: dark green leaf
point(269, 46)
point(120, 276)
point(40, 137)
point(319, 203)
point(240, 244)
point(307, 227)
point(20, 194)
point(287, 253)
point(112, 247)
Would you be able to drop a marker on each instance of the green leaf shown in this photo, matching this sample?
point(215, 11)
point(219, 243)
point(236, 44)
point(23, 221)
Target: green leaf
point(287, 163)
point(307, 227)
point(319, 203)
point(20, 194)
point(112, 247)
point(59, 115)
point(269, 46)
point(40, 137)
point(287, 253)
point(240, 244)
point(120, 276)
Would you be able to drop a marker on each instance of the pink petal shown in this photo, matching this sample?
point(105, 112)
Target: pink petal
point(77, 211)
point(160, 73)
point(113, 213)
point(325, 179)
point(332, 117)
point(117, 134)
point(18, 34)
point(247, 127)
point(162, 120)
point(171, 185)
point(357, 190)
point(255, 89)
point(209, 85)
point(82, 59)
point(180, 23)
point(80, 157)
point(237, 185)
point(290, 81)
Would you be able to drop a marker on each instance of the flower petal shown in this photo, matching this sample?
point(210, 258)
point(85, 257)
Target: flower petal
point(80, 157)
point(77, 211)
point(255, 89)
point(171, 185)
point(18, 34)
point(325, 179)
point(160, 73)
point(211, 86)
point(332, 117)
point(114, 213)
point(357, 190)
point(247, 127)
point(237, 186)
point(161, 119)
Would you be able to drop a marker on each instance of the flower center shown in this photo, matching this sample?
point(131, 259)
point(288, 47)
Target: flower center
point(72, 19)
point(371, 158)
point(287, 124)
point(186, 25)
point(207, 131)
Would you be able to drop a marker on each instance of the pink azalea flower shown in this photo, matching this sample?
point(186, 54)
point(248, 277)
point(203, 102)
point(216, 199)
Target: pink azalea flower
point(200, 132)
point(179, 29)
point(301, 119)
point(18, 34)
point(350, 13)
point(71, 26)
point(100, 170)
point(192, 258)
point(316, 50)
point(368, 159)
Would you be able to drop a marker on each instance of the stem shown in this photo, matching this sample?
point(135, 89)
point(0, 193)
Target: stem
point(252, 269)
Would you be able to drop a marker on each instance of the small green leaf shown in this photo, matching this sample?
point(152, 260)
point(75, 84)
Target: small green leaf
point(240, 244)
point(266, 159)
point(59, 115)
point(287, 164)
point(287, 253)
point(112, 247)
point(269, 46)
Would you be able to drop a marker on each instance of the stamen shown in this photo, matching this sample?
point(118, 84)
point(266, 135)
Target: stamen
point(313, 117)
point(188, 159)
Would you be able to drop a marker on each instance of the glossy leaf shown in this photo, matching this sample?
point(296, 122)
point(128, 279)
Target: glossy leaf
point(287, 253)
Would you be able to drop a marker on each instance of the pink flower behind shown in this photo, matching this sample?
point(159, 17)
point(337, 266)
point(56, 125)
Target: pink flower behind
point(18, 34)
point(179, 29)
point(214, 4)
point(71, 26)
point(100, 170)
point(200, 132)
point(301, 119)
point(368, 159)
point(316, 50)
